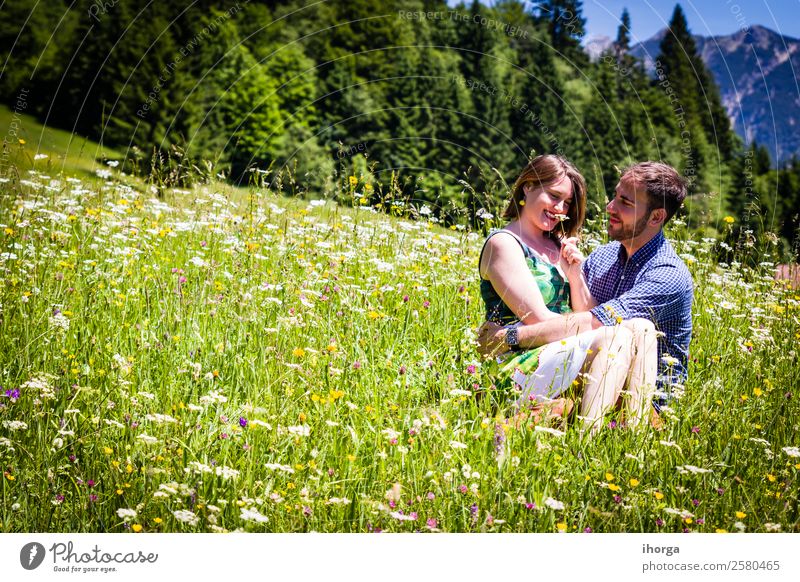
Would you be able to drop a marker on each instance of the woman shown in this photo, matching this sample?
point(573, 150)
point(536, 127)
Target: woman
point(527, 277)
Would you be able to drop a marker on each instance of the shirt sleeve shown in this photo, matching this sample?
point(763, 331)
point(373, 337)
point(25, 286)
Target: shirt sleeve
point(660, 290)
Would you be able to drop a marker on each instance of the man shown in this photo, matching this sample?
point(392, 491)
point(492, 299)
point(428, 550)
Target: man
point(638, 275)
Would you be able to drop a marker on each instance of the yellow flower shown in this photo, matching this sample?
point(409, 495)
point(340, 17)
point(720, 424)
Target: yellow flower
point(157, 520)
point(136, 527)
point(21, 141)
point(771, 478)
point(634, 482)
point(609, 477)
point(718, 530)
point(373, 315)
point(729, 219)
point(740, 515)
point(353, 181)
point(298, 352)
point(659, 495)
point(120, 492)
point(351, 458)
point(561, 526)
point(129, 468)
point(613, 487)
point(688, 520)
point(331, 348)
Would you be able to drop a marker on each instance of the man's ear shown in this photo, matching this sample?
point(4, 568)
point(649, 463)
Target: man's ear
point(658, 217)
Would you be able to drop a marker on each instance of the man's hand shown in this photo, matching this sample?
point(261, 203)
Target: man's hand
point(491, 340)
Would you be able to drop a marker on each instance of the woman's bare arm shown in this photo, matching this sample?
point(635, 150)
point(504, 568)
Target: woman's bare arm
point(572, 264)
point(504, 265)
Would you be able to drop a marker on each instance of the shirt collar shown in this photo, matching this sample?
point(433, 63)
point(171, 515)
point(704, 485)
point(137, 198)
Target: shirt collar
point(648, 250)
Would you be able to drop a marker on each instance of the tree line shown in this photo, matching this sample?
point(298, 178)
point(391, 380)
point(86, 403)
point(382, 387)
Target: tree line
point(430, 103)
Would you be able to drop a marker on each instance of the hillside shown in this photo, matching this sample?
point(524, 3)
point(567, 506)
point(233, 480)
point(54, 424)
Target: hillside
point(49, 149)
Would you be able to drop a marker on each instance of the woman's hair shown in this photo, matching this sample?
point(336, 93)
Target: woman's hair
point(544, 171)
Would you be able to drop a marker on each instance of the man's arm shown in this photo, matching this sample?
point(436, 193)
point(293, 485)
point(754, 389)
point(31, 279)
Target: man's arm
point(660, 291)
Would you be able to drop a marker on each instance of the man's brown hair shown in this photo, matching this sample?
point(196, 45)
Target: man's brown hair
point(664, 186)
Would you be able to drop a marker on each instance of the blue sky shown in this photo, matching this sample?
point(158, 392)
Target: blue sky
point(706, 17)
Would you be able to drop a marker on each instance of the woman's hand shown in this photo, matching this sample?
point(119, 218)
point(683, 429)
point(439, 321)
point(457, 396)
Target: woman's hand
point(571, 257)
point(491, 340)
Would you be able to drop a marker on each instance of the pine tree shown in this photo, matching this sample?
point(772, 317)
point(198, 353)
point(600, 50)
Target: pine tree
point(622, 44)
point(566, 27)
point(705, 131)
point(485, 67)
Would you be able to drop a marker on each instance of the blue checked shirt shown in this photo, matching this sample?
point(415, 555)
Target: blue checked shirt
point(653, 284)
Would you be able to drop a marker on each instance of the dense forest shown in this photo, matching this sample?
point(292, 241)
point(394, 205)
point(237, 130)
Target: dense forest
point(427, 103)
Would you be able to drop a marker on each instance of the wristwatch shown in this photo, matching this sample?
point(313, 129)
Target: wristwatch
point(512, 339)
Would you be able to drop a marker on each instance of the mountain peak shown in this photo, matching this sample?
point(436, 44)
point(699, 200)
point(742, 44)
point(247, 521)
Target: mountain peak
point(754, 69)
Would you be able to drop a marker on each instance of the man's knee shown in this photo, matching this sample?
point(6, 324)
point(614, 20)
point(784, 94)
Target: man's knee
point(640, 326)
point(613, 334)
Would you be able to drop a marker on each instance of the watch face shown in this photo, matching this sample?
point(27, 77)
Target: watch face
point(511, 337)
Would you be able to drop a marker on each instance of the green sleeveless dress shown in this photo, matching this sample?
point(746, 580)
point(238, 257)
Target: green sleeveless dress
point(544, 372)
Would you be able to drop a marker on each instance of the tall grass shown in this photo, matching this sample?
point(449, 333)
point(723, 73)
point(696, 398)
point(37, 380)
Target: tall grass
point(212, 362)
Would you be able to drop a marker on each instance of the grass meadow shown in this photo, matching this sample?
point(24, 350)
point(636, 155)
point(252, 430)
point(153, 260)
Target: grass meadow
point(228, 359)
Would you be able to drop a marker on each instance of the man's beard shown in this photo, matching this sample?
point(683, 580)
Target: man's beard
point(627, 232)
